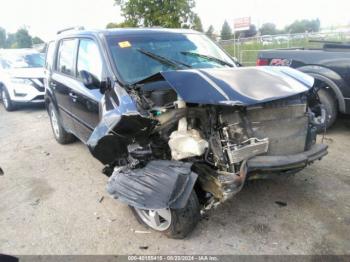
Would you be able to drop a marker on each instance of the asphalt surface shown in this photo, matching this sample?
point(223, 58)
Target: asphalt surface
point(53, 201)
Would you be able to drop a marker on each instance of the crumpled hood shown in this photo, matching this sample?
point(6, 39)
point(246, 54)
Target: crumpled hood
point(237, 86)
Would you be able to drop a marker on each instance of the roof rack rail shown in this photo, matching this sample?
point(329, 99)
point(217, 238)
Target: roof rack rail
point(70, 28)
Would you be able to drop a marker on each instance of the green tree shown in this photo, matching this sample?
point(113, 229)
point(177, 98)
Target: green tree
point(250, 32)
point(165, 13)
point(302, 26)
point(119, 25)
point(2, 37)
point(210, 32)
point(10, 41)
point(268, 29)
point(23, 39)
point(37, 40)
point(226, 31)
point(197, 23)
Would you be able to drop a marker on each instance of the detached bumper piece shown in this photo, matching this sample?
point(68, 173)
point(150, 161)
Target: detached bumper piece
point(160, 184)
point(288, 162)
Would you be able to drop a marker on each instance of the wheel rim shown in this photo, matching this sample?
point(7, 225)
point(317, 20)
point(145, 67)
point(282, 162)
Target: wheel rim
point(4, 99)
point(54, 123)
point(159, 219)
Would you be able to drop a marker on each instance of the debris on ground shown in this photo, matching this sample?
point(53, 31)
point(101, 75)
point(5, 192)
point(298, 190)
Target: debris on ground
point(36, 202)
point(46, 153)
point(142, 232)
point(1, 172)
point(281, 203)
point(101, 199)
point(261, 228)
point(96, 215)
point(143, 247)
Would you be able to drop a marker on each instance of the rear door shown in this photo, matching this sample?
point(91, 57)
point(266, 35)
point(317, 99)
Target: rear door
point(63, 78)
point(85, 106)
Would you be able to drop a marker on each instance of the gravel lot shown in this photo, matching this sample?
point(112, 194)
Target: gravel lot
point(53, 201)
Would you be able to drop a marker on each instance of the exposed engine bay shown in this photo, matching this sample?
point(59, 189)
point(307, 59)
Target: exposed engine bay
point(155, 157)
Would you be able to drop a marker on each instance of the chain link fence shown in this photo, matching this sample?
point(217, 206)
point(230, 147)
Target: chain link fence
point(246, 49)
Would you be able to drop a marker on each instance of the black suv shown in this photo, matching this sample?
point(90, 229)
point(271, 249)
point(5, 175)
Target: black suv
point(178, 126)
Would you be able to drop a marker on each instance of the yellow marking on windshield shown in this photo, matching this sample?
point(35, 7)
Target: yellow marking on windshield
point(124, 44)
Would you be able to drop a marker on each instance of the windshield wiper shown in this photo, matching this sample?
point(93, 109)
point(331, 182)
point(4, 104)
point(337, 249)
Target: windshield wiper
point(164, 60)
point(207, 57)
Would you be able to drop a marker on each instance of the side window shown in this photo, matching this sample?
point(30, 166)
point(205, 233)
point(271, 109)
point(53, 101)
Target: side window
point(89, 59)
point(49, 55)
point(66, 56)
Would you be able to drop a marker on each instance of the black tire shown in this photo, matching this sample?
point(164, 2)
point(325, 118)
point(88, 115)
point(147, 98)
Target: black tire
point(8, 103)
point(183, 221)
point(330, 104)
point(60, 134)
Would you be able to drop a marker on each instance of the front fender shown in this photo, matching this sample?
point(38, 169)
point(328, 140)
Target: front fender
point(121, 124)
point(332, 78)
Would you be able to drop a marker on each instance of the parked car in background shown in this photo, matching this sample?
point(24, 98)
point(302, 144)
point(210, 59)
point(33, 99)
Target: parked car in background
point(266, 40)
point(281, 39)
point(21, 77)
point(178, 126)
point(330, 66)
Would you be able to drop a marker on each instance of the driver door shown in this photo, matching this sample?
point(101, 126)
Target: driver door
point(85, 106)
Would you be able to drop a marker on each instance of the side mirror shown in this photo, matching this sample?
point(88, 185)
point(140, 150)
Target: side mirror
point(105, 85)
point(89, 80)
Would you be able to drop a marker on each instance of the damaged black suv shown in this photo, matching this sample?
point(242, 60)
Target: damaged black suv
point(179, 127)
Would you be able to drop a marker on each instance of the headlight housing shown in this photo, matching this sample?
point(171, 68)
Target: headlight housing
point(21, 81)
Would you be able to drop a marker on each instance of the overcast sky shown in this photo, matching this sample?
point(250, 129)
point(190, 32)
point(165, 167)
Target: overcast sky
point(45, 17)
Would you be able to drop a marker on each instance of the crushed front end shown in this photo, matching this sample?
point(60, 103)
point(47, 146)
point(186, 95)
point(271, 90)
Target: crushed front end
point(210, 130)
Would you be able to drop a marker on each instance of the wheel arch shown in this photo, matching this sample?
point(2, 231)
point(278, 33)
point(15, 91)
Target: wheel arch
point(2, 85)
point(331, 78)
point(47, 103)
point(49, 99)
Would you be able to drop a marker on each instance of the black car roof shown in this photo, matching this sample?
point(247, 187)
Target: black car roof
point(126, 31)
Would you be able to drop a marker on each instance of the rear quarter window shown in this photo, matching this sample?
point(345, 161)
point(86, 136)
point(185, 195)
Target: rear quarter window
point(66, 56)
point(50, 55)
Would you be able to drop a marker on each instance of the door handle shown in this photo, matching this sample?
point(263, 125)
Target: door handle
point(73, 96)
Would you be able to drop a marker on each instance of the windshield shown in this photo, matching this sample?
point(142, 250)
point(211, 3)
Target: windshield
point(138, 57)
point(23, 60)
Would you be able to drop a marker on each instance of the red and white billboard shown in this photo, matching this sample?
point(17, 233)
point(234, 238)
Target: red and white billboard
point(241, 24)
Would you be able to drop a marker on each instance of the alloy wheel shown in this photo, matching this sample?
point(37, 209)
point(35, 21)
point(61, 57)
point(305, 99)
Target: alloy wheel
point(55, 126)
point(4, 99)
point(159, 219)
